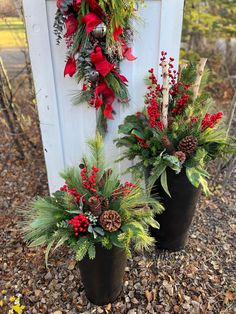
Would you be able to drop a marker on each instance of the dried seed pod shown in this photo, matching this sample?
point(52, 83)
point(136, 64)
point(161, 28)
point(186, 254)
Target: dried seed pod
point(181, 156)
point(168, 145)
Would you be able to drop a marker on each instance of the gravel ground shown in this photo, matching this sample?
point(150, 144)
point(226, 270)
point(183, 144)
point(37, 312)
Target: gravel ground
point(200, 279)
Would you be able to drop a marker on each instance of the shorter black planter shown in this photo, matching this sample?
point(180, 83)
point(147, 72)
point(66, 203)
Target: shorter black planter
point(175, 221)
point(103, 276)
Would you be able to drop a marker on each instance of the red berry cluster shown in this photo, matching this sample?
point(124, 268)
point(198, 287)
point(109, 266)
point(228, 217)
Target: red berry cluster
point(160, 125)
point(153, 112)
point(141, 142)
point(80, 224)
point(123, 190)
point(89, 183)
point(209, 121)
point(77, 196)
point(193, 120)
point(180, 104)
point(178, 89)
point(151, 99)
point(64, 188)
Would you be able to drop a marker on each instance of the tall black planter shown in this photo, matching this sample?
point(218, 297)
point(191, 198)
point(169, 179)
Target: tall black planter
point(175, 221)
point(103, 276)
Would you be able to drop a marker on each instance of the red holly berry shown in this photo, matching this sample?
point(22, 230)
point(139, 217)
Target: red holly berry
point(79, 223)
point(209, 121)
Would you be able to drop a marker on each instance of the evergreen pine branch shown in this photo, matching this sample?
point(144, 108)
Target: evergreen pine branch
point(97, 155)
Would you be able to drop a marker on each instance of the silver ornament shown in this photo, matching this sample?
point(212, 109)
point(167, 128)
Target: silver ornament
point(93, 76)
point(99, 31)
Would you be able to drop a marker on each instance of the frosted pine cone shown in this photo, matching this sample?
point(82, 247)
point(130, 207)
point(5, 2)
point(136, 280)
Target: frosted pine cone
point(110, 221)
point(181, 156)
point(188, 145)
point(168, 145)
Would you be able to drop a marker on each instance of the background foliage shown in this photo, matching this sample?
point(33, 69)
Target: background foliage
point(209, 30)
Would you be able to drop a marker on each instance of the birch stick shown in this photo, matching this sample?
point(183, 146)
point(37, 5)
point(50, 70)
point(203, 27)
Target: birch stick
point(200, 71)
point(182, 67)
point(165, 92)
point(232, 113)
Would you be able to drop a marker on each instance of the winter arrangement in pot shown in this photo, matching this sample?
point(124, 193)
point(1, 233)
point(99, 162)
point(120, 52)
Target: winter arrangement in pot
point(175, 137)
point(99, 218)
point(98, 35)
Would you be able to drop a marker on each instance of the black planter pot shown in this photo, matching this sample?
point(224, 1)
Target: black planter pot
point(103, 276)
point(175, 221)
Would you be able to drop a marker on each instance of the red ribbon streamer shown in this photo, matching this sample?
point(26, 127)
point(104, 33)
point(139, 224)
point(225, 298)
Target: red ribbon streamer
point(109, 97)
point(117, 32)
point(99, 60)
point(126, 51)
point(91, 20)
point(71, 25)
point(59, 3)
point(70, 67)
point(121, 77)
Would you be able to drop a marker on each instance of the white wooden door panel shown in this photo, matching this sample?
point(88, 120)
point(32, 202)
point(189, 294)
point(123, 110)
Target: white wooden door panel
point(65, 127)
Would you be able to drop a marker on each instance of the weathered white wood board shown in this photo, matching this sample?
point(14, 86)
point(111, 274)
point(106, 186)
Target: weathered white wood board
point(65, 127)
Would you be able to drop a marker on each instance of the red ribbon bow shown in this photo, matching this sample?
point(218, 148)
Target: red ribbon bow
point(91, 20)
point(100, 61)
point(71, 25)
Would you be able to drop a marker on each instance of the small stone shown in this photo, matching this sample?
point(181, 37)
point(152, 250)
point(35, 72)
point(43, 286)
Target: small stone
point(196, 305)
point(10, 255)
point(127, 299)
point(48, 276)
point(131, 294)
point(37, 293)
point(57, 312)
point(72, 264)
point(100, 310)
point(144, 282)
point(134, 301)
point(137, 286)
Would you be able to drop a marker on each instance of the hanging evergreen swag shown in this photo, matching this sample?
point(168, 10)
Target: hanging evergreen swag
point(97, 35)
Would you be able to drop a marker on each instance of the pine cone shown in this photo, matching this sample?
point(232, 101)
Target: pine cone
point(168, 145)
point(95, 204)
point(188, 145)
point(181, 156)
point(104, 178)
point(110, 221)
